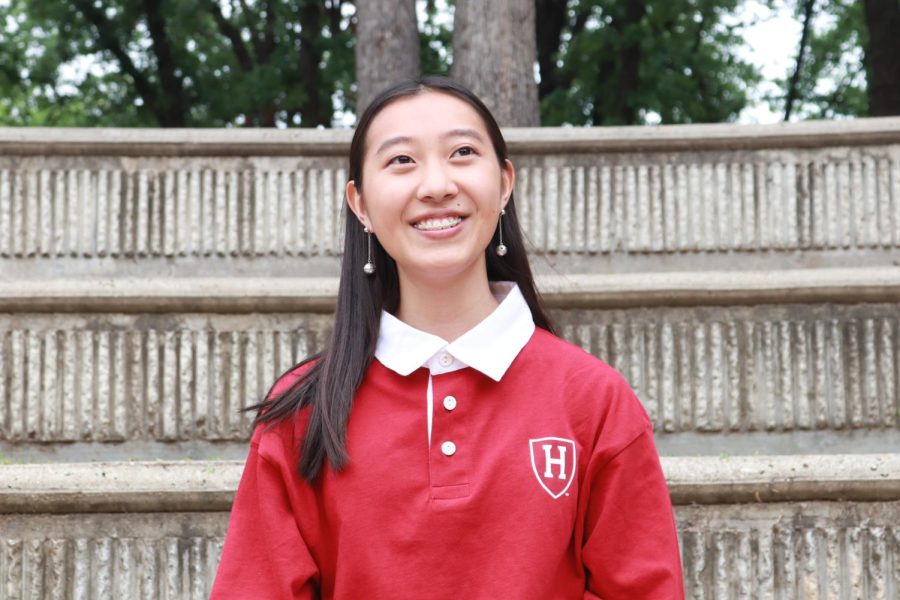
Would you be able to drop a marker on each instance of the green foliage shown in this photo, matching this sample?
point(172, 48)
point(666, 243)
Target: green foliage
point(436, 39)
point(675, 58)
point(832, 78)
point(212, 62)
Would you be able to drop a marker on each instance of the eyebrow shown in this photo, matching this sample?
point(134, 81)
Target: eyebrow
point(405, 139)
point(400, 139)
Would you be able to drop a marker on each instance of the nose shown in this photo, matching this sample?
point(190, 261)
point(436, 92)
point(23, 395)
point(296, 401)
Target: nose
point(437, 183)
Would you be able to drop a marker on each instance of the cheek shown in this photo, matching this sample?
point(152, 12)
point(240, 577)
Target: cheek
point(487, 190)
point(385, 208)
point(383, 196)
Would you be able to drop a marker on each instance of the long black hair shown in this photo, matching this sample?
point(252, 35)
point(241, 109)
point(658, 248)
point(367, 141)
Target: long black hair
point(329, 385)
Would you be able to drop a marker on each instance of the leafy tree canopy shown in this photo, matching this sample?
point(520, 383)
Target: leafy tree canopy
point(831, 80)
point(184, 63)
point(670, 61)
point(291, 62)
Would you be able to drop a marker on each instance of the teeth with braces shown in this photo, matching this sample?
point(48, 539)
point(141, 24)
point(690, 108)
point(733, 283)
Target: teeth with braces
point(438, 224)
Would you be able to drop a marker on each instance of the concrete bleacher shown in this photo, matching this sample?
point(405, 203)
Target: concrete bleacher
point(745, 279)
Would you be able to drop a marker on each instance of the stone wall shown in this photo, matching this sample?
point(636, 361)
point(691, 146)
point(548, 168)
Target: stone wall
point(746, 280)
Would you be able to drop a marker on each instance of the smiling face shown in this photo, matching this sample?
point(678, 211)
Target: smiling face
point(433, 188)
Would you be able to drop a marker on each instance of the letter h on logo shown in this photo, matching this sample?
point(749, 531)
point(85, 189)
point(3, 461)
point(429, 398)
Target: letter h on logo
point(553, 463)
point(549, 461)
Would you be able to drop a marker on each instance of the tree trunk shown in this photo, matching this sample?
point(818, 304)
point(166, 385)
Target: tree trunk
point(624, 109)
point(316, 109)
point(387, 46)
point(554, 14)
point(882, 52)
point(494, 52)
point(171, 100)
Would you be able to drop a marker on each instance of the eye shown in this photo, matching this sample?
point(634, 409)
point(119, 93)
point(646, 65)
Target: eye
point(465, 151)
point(402, 159)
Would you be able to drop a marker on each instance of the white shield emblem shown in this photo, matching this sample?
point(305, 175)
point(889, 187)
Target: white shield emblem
point(553, 461)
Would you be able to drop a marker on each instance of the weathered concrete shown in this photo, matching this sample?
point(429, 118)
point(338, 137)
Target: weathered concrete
point(183, 202)
point(717, 267)
point(139, 486)
point(74, 141)
point(747, 479)
point(148, 556)
point(785, 551)
point(574, 290)
point(730, 551)
point(209, 486)
point(179, 377)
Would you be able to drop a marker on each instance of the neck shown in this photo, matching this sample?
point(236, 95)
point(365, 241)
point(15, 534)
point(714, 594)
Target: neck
point(446, 309)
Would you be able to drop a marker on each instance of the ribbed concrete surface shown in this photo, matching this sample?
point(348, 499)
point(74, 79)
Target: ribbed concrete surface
point(170, 556)
point(779, 368)
point(834, 197)
point(762, 551)
point(765, 548)
point(800, 550)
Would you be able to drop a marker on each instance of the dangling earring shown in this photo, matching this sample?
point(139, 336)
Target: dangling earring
point(501, 248)
point(369, 267)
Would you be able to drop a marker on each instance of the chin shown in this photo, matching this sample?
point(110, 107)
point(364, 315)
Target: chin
point(438, 269)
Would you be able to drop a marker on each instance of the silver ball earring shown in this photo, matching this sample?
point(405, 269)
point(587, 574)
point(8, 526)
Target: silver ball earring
point(501, 247)
point(369, 267)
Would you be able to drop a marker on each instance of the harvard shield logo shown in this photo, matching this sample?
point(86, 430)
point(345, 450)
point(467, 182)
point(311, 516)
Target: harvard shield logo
point(553, 461)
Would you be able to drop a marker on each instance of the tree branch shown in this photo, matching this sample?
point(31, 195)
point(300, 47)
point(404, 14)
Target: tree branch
point(233, 34)
point(313, 112)
point(702, 93)
point(268, 40)
point(172, 100)
point(623, 110)
point(581, 19)
point(255, 39)
point(111, 44)
point(334, 16)
point(791, 96)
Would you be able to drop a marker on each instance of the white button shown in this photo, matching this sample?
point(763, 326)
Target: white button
point(449, 402)
point(448, 448)
point(445, 359)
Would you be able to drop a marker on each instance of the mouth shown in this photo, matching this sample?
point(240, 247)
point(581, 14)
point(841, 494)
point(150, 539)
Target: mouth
point(438, 224)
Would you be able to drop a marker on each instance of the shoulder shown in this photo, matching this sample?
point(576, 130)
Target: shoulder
point(560, 359)
point(289, 430)
point(581, 383)
point(291, 377)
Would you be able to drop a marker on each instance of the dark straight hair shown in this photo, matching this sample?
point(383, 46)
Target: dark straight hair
point(329, 385)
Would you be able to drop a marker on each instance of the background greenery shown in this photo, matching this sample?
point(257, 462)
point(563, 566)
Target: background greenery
point(213, 63)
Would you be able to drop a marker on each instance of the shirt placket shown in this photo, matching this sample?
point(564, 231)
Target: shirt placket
point(450, 449)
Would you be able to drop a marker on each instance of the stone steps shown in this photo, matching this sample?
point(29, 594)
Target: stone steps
point(764, 550)
point(746, 281)
point(750, 527)
point(209, 485)
point(816, 372)
point(797, 195)
point(567, 291)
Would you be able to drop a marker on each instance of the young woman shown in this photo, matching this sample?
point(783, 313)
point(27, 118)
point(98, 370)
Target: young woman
point(446, 444)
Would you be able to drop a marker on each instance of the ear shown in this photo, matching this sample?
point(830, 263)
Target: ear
point(507, 182)
point(356, 204)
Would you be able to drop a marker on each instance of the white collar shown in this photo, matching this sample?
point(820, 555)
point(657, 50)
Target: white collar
point(489, 347)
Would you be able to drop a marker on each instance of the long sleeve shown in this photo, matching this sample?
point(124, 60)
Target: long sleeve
point(265, 555)
point(630, 547)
